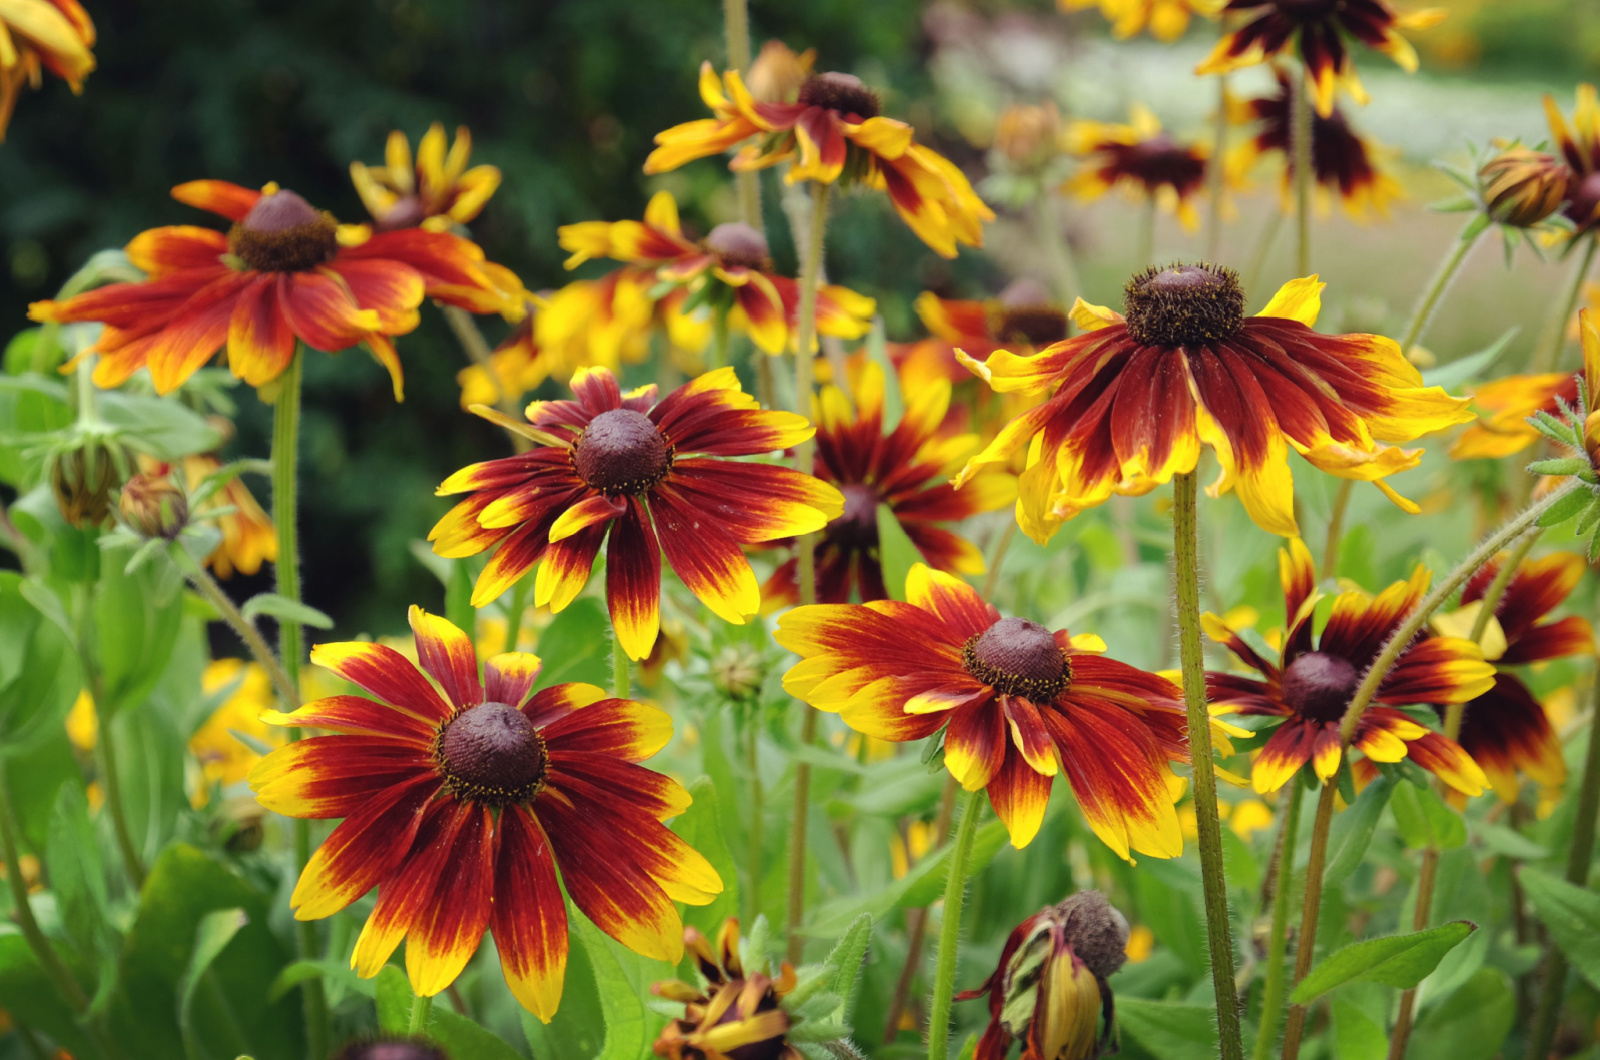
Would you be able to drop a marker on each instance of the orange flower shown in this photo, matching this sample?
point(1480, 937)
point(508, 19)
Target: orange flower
point(833, 131)
point(284, 273)
point(1168, 19)
point(39, 35)
point(1023, 315)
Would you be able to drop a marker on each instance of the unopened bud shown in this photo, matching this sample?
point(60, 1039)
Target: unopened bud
point(153, 506)
point(737, 672)
point(1027, 134)
point(1522, 187)
point(83, 478)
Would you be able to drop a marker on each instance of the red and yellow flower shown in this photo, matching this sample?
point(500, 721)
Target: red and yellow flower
point(833, 131)
point(1023, 317)
point(1505, 729)
point(1321, 32)
point(609, 322)
point(1133, 399)
point(737, 1015)
point(1140, 159)
point(1580, 148)
point(1312, 684)
point(1505, 405)
point(435, 191)
point(730, 269)
point(40, 35)
point(653, 474)
point(284, 273)
point(907, 470)
point(463, 798)
point(1167, 19)
point(1018, 705)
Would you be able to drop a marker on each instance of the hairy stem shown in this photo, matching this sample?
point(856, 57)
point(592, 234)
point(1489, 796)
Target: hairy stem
point(736, 21)
point(260, 650)
point(917, 919)
point(955, 892)
point(1311, 906)
point(1423, 314)
point(719, 340)
point(621, 682)
point(420, 1006)
point(1214, 164)
point(1304, 178)
point(753, 767)
point(1278, 941)
point(1330, 551)
point(1554, 338)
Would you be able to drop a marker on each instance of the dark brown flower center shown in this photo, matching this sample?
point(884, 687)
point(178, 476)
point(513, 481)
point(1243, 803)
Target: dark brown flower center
point(845, 93)
point(1184, 305)
point(492, 754)
point(1318, 686)
point(407, 212)
point(622, 452)
point(857, 525)
point(1584, 201)
point(1018, 658)
point(1029, 315)
point(390, 1049)
point(284, 233)
point(1307, 10)
point(736, 244)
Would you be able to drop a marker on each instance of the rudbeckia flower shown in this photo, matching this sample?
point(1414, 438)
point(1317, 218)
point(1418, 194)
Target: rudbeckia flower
point(1506, 729)
point(1506, 404)
point(908, 469)
point(1580, 147)
point(1342, 161)
point(730, 268)
point(1315, 678)
point(1018, 705)
point(226, 760)
point(248, 536)
point(284, 273)
point(463, 798)
point(609, 322)
point(1133, 399)
point(1022, 316)
point(834, 131)
point(655, 475)
point(1141, 159)
point(40, 35)
point(1167, 19)
point(737, 1014)
point(435, 191)
point(1321, 32)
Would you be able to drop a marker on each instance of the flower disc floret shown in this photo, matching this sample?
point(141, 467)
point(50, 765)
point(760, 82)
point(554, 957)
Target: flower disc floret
point(622, 453)
point(738, 245)
point(1318, 685)
point(1018, 657)
point(284, 233)
point(845, 94)
point(492, 754)
point(1184, 305)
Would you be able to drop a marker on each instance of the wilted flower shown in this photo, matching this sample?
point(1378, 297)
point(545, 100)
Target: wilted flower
point(737, 1015)
point(435, 192)
point(1049, 989)
point(153, 506)
point(1521, 187)
point(40, 35)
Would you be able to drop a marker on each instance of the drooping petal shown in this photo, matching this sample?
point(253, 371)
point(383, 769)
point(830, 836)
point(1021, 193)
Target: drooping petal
point(1019, 795)
point(403, 897)
point(633, 581)
point(975, 744)
point(711, 564)
point(443, 938)
point(1110, 760)
point(260, 341)
point(529, 919)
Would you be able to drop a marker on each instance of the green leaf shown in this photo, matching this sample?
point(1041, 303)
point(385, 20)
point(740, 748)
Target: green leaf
point(847, 960)
point(1356, 1036)
point(1572, 914)
point(462, 1038)
point(163, 427)
point(1561, 466)
point(1169, 1029)
point(701, 827)
point(24, 988)
point(458, 598)
point(1470, 1024)
point(1424, 818)
point(77, 878)
point(1352, 830)
point(39, 676)
point(1508, 842)
point(137, 617)
point(1394, 960)
point(877, 349)
point(628, 1023)
point(284, 608)
point(896, 552)
point(1566, 508)
point(576, 645)
point(216, 930)
point(578, 1027)
point(1472, 366)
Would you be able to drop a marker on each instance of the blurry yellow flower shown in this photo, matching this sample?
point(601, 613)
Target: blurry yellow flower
point(40, 35)
point(1140, 159)
point(1141, 940)
point(83, 724)
point(1249, 817)
point(1028, 134)
point(435, 192)
point(248, 536)
point(1580, 147)
point(225, 759)
point(1168, 19)
point(778, 73)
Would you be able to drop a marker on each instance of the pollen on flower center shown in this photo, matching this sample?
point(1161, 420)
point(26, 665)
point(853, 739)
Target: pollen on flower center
point(1319, 686)
point(1184, 305)
point(736, 244)
point(857, 525)
point(845, 93)
point(1018, 658)
point(284, 233)
point(622, 452)
point(492, 754)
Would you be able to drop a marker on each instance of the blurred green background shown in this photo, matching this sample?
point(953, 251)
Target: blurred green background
point(565, 97)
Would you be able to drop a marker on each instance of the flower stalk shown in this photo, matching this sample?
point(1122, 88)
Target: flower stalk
point(955, 891)
point(1300, 144)
point(736, 22)
point(260, 650)
point(1554, 338)
point(1278, 941)
point(1422, 315)
point(420, 1006)
point(621, 681)
point(1219, 938)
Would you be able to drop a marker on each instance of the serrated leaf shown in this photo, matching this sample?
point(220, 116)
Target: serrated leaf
point(1563, 466)
point(847, 960)
point(1572, 914)
point(1396, 960)
point(284, 608)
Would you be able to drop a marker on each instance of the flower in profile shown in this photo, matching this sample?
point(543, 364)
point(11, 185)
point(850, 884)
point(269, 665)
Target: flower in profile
point(1506, 729)
point(40, 35)
point(462, 797)
point(1521, 187)
point(435, 191)
point(248, 536)
point(1312, 684)
point(1342, 160)
point(1580, 148)
point(730, 270)
point(1050, 989)
point(833, 132)
point(1023, 316)
point(1134, 398)
point(1321, 31)
point(1140, 159)
point(737, 1015)
point(225, 759)
point(284, 273)
point(1167, 20)
point(658, 477)
point(1505, 405)
point(1018, 704)
point(908, 470)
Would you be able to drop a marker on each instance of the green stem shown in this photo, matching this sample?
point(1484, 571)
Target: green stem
point(1147, 235)
point(1579, 856)
point(1554, 338)
point(418, 1024)
point(991, 581)
point(1487, 605)
point(752, 758)
point(736, 20)
point(1186, 558)
point(917, 919)
point(49, 961)
point(955, 892)
point(1057, 247)
point(1278, 942)
point(478, 352)
point(260, 650)
point(1310, 907)
point(1421, 316)
point(1264, 242)
point(1300, 166)
point(1330, 551)
point(719, 339)
point(621, 682)
point(1214, 164)
point(519, 604)
point(105, 748)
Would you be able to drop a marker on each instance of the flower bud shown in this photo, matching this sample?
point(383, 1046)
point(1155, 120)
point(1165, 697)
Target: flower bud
point(1026, 134)
point(153, 506)
point(83, 479)
point(737, 672)
point(1522, 187)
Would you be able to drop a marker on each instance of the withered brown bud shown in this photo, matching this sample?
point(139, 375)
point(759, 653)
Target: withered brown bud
point(153, 506)
point(1522, 187)
point(1096, 930)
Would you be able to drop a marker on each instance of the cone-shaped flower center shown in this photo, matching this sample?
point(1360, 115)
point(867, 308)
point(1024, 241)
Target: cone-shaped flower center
point(857, 526)
point(1584, 200)
point(1029, 315)
point(844, 93)
point(1184, 305)
point(622, 452)
point(492, 753)
point(284, 233)
point(407, 212)
point(1319, 686)
point(1096, 930)
point(736, 244)
point(389, 1049)
point(1018, 658)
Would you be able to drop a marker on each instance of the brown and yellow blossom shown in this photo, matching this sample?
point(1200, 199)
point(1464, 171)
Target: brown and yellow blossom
point(435, 191)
